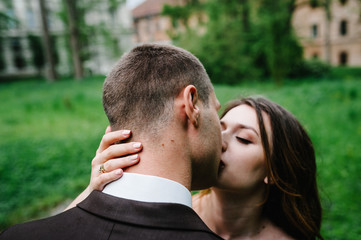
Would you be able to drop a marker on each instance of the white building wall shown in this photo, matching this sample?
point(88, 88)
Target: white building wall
point(28, 14)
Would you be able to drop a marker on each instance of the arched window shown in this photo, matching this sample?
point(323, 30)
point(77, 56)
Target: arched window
point(343, 28)
point(343, 58)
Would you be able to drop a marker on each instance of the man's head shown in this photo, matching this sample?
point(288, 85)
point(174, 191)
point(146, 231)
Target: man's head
point(160, 90)
point(140, 90)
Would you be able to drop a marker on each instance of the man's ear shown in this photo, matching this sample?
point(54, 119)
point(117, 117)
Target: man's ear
point(191, 101)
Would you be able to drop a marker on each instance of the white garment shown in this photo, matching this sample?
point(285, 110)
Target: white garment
point(148, 188)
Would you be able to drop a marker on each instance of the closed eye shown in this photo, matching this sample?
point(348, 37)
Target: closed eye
point(243, 140)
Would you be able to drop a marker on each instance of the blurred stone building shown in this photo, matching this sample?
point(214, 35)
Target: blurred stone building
point(21, 49)
point(335, 38)
point(149, 24)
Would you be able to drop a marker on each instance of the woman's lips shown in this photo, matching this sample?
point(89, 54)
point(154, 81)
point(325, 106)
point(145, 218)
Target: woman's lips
point(221, 166)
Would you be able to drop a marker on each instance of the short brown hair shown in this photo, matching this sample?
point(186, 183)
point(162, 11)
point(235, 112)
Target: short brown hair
point(138, 93)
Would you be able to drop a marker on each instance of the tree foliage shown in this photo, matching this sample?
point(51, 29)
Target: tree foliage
point(241, 39)
point(7, 20)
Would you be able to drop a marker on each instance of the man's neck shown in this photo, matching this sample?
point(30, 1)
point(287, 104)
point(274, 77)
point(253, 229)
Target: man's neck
point(165, 158)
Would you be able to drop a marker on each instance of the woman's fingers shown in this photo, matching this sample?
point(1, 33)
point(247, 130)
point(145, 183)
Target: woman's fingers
point(123, 162)
point(110, 138)
point(105, 178)
point(117, 150)
point(111, 158)
point(112, 171)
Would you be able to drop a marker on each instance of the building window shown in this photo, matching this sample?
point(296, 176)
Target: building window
point(314, 30)
point(30, 19)
point(2, 57)
point(314, 3)
point(343, 28)
point(343, 58)
point(343, 2)
point(149, 25)
point(315, 56)
point(11, 23)
point(157, 26)
point(16, 48)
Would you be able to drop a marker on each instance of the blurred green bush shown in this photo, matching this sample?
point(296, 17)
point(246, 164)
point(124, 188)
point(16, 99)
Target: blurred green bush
point(310, 69)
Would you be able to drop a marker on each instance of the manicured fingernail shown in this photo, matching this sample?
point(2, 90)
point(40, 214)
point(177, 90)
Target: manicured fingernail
point(126, 132)
point(133, 157)
point(137, 145)
point(118, 172)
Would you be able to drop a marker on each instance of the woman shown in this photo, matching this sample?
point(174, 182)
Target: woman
point(267, 179)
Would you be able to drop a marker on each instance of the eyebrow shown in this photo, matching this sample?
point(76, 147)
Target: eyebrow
point(242, 126)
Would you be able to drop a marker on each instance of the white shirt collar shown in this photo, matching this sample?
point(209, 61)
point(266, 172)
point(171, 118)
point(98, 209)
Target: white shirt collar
point(148, 188)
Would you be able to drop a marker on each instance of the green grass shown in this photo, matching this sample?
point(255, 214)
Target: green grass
point(49, 134)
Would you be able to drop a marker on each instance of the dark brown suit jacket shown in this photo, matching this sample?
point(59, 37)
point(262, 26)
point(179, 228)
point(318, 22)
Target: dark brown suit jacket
point(101, 216)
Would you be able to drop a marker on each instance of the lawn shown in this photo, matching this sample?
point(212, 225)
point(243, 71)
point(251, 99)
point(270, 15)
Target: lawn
point(49, 134)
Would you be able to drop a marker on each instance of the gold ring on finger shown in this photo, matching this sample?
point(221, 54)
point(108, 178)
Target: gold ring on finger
point(101, 169)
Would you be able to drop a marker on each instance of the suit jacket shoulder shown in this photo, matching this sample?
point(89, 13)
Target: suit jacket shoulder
point(102, 216)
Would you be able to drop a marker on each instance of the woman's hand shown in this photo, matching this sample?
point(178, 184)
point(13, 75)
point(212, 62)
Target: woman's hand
point(109, 160)
point(112, 158)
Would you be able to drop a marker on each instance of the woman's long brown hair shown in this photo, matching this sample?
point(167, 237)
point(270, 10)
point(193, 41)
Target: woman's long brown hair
point(292, 201)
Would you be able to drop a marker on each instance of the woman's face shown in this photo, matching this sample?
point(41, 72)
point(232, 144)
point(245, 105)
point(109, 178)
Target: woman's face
point(243, 160)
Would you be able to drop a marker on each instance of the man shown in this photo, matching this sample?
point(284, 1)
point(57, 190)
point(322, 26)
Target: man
point(165, 96)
